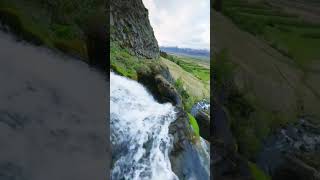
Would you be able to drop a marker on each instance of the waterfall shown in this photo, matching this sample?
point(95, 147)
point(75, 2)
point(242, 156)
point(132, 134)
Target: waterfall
point(139, 132)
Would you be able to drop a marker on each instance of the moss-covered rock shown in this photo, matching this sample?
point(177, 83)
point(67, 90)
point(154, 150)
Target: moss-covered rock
point(10, 18)
point(194, 125)
point(257, 173)
point(76, 27)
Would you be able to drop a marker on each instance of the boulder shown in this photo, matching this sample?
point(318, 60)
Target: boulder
point(189, 159)
point(203, 120)
point(167, 92)
point(158, 80)
point(180, 130)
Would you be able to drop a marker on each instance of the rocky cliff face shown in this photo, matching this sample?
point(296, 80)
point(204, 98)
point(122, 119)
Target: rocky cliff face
point(130, 27)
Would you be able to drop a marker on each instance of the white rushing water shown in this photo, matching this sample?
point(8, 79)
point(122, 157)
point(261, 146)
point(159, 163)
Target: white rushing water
point(139, 133)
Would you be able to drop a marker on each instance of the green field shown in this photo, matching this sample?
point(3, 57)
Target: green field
point(192, 78)
point(288, 33)
point(199, 68)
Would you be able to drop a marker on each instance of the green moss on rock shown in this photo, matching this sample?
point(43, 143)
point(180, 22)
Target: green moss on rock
point(194, 125)
point(128, 65)
point(11, 18)
point(74, 46)
point(257, 173)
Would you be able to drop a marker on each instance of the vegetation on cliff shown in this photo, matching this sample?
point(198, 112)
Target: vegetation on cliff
point(194, 124)
point(56, 24)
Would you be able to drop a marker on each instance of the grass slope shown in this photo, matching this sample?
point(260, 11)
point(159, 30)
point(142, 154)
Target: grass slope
point(193, 85)
point(270, 83)
point(289, 33)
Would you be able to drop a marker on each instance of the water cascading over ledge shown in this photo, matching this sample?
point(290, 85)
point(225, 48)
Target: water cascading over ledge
point(139, 132)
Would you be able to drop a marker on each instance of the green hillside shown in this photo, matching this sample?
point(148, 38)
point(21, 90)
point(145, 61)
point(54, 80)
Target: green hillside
point(275, 81)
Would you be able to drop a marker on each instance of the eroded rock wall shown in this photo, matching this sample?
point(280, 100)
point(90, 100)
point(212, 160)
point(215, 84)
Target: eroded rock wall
point(130, 27)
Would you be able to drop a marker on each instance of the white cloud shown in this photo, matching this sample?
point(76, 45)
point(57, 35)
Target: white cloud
point(183, 23)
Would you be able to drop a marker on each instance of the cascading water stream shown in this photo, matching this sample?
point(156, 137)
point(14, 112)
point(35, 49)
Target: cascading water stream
point(139, 133)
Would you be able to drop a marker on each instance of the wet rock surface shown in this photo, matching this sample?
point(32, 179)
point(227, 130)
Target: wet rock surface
point(189, 158)
point(158, 81)
point(292, 152)
point(167, 91)
point(201, 111)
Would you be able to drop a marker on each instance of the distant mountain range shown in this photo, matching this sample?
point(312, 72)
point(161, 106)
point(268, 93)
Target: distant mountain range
point(200, 53)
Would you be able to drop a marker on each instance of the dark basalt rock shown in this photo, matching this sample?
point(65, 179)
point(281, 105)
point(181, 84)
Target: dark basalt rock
point(203, 120)
point(292, 152)
point(226, 163)
point(97, 40)
point(186, 153)
point(180, 130)
point(130, 27)
point(293, 168)
point(158, 80)
point(201, 112)
point(167, 92)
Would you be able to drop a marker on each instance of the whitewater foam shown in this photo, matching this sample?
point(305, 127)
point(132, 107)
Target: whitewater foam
point(139, 132)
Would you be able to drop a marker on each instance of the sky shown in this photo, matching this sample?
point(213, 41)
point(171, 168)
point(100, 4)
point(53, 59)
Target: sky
point(182, 23)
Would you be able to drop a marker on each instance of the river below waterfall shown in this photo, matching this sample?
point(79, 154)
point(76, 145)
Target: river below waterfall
point(139, 132)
